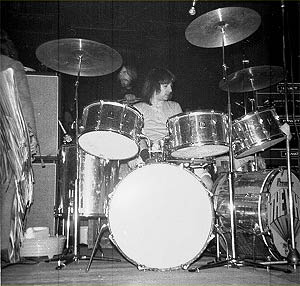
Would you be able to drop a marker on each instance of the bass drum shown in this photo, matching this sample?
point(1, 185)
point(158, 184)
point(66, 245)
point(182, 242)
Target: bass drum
point(262, 212)
point(160, 217)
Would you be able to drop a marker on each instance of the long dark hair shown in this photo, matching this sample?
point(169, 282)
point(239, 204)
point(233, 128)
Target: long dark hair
point(132, 72)
point(153, 80)
point(7, 46)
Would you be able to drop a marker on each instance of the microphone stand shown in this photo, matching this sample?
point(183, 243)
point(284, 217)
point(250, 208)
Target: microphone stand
point(293, 255)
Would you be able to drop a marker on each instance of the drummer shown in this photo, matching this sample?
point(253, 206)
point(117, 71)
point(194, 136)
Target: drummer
point(156, 108)
point(126, 88)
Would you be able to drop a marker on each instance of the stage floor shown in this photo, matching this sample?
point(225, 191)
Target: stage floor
point(40, 272)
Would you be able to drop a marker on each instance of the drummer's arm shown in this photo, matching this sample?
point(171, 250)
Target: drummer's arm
point(142, 156)
point(144, 150)
point(206, 179)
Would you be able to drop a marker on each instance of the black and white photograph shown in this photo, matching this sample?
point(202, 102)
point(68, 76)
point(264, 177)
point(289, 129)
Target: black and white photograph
point(150, 142)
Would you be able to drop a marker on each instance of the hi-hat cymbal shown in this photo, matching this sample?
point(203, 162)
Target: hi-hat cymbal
point(64, 55)
point(253, 78)
point(237, 23)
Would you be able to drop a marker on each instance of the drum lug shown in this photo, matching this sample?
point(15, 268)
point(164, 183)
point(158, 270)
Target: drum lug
point(185, 266)
point(111, 238)
point(212, 236)
point(142, 267)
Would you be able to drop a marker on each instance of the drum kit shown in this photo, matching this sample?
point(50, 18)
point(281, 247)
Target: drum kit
point(161, 216)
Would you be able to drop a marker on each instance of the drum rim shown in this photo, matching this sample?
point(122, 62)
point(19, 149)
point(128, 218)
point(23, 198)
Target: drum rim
point(115, 103)
point(155, 163)
point(132, 139)
point(201, 111)
point(181, 266)
point(252, 113)
point(123, 133)
point(269, 180)
point(239, 154)
point(198, 144)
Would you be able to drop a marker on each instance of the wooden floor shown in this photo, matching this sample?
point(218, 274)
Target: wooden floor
point(40, 272)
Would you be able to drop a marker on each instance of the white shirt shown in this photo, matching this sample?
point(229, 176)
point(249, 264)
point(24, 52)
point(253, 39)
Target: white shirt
point(156, 116)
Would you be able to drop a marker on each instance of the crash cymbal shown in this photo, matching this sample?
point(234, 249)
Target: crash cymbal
point(253, 78)
point(238, 23)
point(64, 55)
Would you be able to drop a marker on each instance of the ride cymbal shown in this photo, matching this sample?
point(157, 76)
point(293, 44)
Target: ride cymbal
point(253, 78)
point(232, 23)
point(72, 55)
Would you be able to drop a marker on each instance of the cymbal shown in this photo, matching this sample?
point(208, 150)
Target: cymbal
point(238, 23)
point(64, 55)
point(253, 78)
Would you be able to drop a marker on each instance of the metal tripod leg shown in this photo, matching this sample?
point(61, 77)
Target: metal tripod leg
point(97, 245)
point(218, 261)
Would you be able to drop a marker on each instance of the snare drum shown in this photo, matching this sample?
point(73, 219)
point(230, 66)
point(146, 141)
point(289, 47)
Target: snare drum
point(160, 217)
point(111, 130)
point(198, 134)
point(262, 211)
point(255, 132)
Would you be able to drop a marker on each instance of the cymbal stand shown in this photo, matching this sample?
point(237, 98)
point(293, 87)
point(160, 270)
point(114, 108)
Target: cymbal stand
point(254, 107)
point(233, 260)
point(244, 63)
point(293, 255)
point(231, 166)
point(63, 260)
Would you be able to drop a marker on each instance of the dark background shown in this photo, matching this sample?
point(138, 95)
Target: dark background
point(152, 33)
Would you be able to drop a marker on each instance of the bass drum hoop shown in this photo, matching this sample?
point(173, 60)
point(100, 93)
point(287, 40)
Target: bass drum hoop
point(142, 266)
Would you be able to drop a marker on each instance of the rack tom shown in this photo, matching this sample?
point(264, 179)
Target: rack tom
point(255, 132)
point(198, 134)
point(111, 130)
